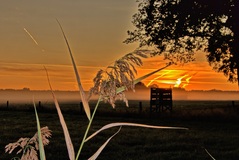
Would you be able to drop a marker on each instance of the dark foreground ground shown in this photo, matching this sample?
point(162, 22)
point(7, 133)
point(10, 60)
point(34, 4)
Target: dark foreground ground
point(213, 126)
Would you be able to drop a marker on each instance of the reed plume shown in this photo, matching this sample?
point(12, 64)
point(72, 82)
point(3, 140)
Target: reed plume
point(29, 146)
point(120, 74)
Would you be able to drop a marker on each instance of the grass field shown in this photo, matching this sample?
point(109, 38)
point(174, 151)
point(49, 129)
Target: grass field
point(212, 126)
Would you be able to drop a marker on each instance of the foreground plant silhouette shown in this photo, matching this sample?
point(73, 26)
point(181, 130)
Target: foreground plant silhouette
point(109, 85)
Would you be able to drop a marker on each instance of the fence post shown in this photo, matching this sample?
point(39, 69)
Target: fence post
point(81, 107)
point(140, 107)
point(233, 104)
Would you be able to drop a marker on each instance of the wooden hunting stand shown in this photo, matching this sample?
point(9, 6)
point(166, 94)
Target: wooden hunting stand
point(160, 99)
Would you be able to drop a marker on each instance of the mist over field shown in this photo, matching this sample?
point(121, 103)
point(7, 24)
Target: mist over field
point(27, 96)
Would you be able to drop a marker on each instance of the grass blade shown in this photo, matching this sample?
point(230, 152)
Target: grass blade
point(209, 154)
point(121, 89)
point(82, 93)
point(97, 153)
point(41, 147)
point(131, 124)
point(69, 144)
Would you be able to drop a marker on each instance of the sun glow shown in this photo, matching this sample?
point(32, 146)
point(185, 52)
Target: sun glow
point(178, 83)
point(173, 79)
point(153, 80)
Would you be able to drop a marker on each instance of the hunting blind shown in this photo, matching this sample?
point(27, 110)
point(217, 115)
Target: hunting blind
point(160, 99)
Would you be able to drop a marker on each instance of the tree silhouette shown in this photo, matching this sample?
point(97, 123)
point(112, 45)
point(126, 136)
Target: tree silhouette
point(178, 28)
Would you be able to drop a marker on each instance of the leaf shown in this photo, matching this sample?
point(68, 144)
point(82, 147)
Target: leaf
point(131, 124)
point(69, 144)
point(97, 153)
point(41, 147)
point(82, 93)
point(88, 128)
point(121, 89)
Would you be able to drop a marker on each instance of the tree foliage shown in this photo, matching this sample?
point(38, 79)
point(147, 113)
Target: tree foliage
point(177, 28)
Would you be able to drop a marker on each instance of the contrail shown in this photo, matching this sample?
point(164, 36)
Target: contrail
point(31, 36)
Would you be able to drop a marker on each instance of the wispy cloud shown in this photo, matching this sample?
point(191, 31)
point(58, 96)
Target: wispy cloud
point(19, 75)
point(33, 76)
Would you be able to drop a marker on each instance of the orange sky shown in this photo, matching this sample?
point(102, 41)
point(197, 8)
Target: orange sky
point(30, 39)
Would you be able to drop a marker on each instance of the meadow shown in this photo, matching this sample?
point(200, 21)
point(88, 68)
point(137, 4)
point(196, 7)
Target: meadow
point(213, 128)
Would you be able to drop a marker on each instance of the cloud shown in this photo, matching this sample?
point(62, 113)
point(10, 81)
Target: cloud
point(18, 75)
